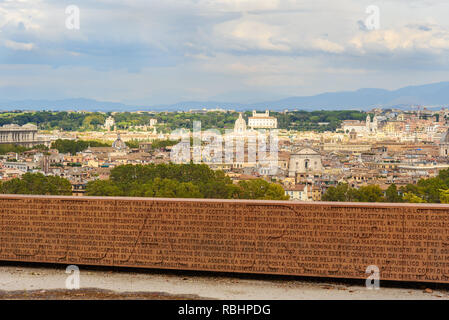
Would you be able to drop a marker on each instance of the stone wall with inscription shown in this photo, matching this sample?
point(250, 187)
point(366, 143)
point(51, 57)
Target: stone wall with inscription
point(406, 242)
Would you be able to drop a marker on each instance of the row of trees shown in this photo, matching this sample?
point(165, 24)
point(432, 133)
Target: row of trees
point(297, 120)
point(70, 121)
point(181, 181)
point(432, 190)
point(318, 121)
point(73, 147)
point(162, 181)
point(160, 144)
point(373, 193)
point(199, 181)
point(6, 148)
point(37, 184)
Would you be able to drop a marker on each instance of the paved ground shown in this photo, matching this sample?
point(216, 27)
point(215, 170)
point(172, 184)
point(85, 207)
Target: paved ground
point(48, 282)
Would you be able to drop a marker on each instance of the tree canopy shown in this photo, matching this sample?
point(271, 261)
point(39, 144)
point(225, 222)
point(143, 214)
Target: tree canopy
point(168, 121)
point(431, 190)
point(37, 184)
point(73, 147)
point(372, 193)
point(181, 181)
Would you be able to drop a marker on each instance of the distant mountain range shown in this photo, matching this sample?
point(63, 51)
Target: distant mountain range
point(63, 105)
point(435, 95)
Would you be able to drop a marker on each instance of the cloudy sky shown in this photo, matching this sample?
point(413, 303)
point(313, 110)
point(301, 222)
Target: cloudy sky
point(151, 52)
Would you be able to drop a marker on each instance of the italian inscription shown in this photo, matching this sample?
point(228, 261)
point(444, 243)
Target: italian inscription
point(407, 242)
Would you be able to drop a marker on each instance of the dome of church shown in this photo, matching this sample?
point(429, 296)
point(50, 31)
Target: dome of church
point(119, 144)
point(30, 126)
point(353, 134)
point(240, 124)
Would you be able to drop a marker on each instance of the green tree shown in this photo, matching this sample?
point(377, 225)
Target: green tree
point(444, 196)
point(275, 192)
point(6, 148)
point(410, 197)
point(371, 193)
point(93, 121)
point(430, 189)
point(392, 194)
point(133, 144)
point(73, 147)
point(261, 190)
point(340, 193)
point(102, 188)
point(37, 184)
point(181, 181)
point(344, 193)
point(167, 188)
point(160, 144)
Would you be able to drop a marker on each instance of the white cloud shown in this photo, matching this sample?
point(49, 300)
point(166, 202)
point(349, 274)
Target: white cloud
point(253, 35)
point(19, 45)
point(25, 13)
point(327, 46)
point(432, 39)
point(196, 49)
point(245, 5)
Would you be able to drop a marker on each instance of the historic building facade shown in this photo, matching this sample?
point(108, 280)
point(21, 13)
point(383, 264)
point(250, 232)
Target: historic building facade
point(360, 127)
point(262, 121)
point(305, 161)
point(20, 135)
point(109, 124)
